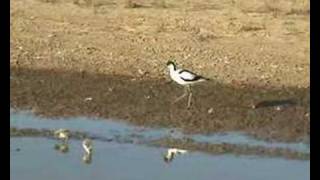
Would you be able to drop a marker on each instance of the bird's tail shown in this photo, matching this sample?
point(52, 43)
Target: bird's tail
point(207, 79)
point(204, 78)
point(181, 151)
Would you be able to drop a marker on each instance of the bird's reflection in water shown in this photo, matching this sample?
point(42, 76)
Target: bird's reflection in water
point(87, 145)
point(63, 148)
point(87, 158)
point(172, 153)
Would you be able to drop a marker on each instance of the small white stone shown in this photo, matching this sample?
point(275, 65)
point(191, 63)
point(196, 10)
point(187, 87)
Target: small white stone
point(210, 111)
point(51, 35)
point(140, 72)
point(88, 99)
point(278, 108)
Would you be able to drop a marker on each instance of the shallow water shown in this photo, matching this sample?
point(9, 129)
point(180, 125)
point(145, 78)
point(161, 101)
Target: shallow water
point(37, 159)
point(110, 129)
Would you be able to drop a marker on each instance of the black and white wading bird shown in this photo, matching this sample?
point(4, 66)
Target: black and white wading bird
point(63, 134)
point(87, 145)
point(185, 78)
point(172, 152)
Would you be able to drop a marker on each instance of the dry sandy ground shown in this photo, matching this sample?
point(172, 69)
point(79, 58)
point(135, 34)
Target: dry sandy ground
point(115, 52)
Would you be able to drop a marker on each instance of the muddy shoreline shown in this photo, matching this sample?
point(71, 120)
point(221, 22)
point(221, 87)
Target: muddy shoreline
point(143, 101)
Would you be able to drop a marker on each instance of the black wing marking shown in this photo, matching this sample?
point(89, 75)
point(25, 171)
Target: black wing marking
point(190, 76)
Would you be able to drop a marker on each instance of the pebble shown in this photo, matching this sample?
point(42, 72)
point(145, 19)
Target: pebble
point(210, 111)
point(142, 73)
point(88, 99)
point(278, 108)
point(51, 35)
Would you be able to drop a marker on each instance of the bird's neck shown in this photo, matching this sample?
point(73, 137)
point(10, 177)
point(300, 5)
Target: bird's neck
point(172, 68)
point(88, 150)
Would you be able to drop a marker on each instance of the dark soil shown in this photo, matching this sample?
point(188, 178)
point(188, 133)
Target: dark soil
point(149, 102)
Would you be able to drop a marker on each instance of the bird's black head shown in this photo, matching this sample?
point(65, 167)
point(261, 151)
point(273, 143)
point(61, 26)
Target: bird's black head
point(171, 63)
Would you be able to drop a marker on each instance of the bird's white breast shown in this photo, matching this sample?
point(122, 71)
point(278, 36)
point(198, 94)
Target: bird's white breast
point(176, 77)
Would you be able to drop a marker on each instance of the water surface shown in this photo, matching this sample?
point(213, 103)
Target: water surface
point(37, 159)
point(110, 128)
point(34, 158)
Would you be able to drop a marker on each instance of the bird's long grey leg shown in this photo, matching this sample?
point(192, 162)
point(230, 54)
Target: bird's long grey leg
point(182, 96)
point(190, 96)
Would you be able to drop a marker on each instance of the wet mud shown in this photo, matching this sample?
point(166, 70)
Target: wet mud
point(265, 112)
